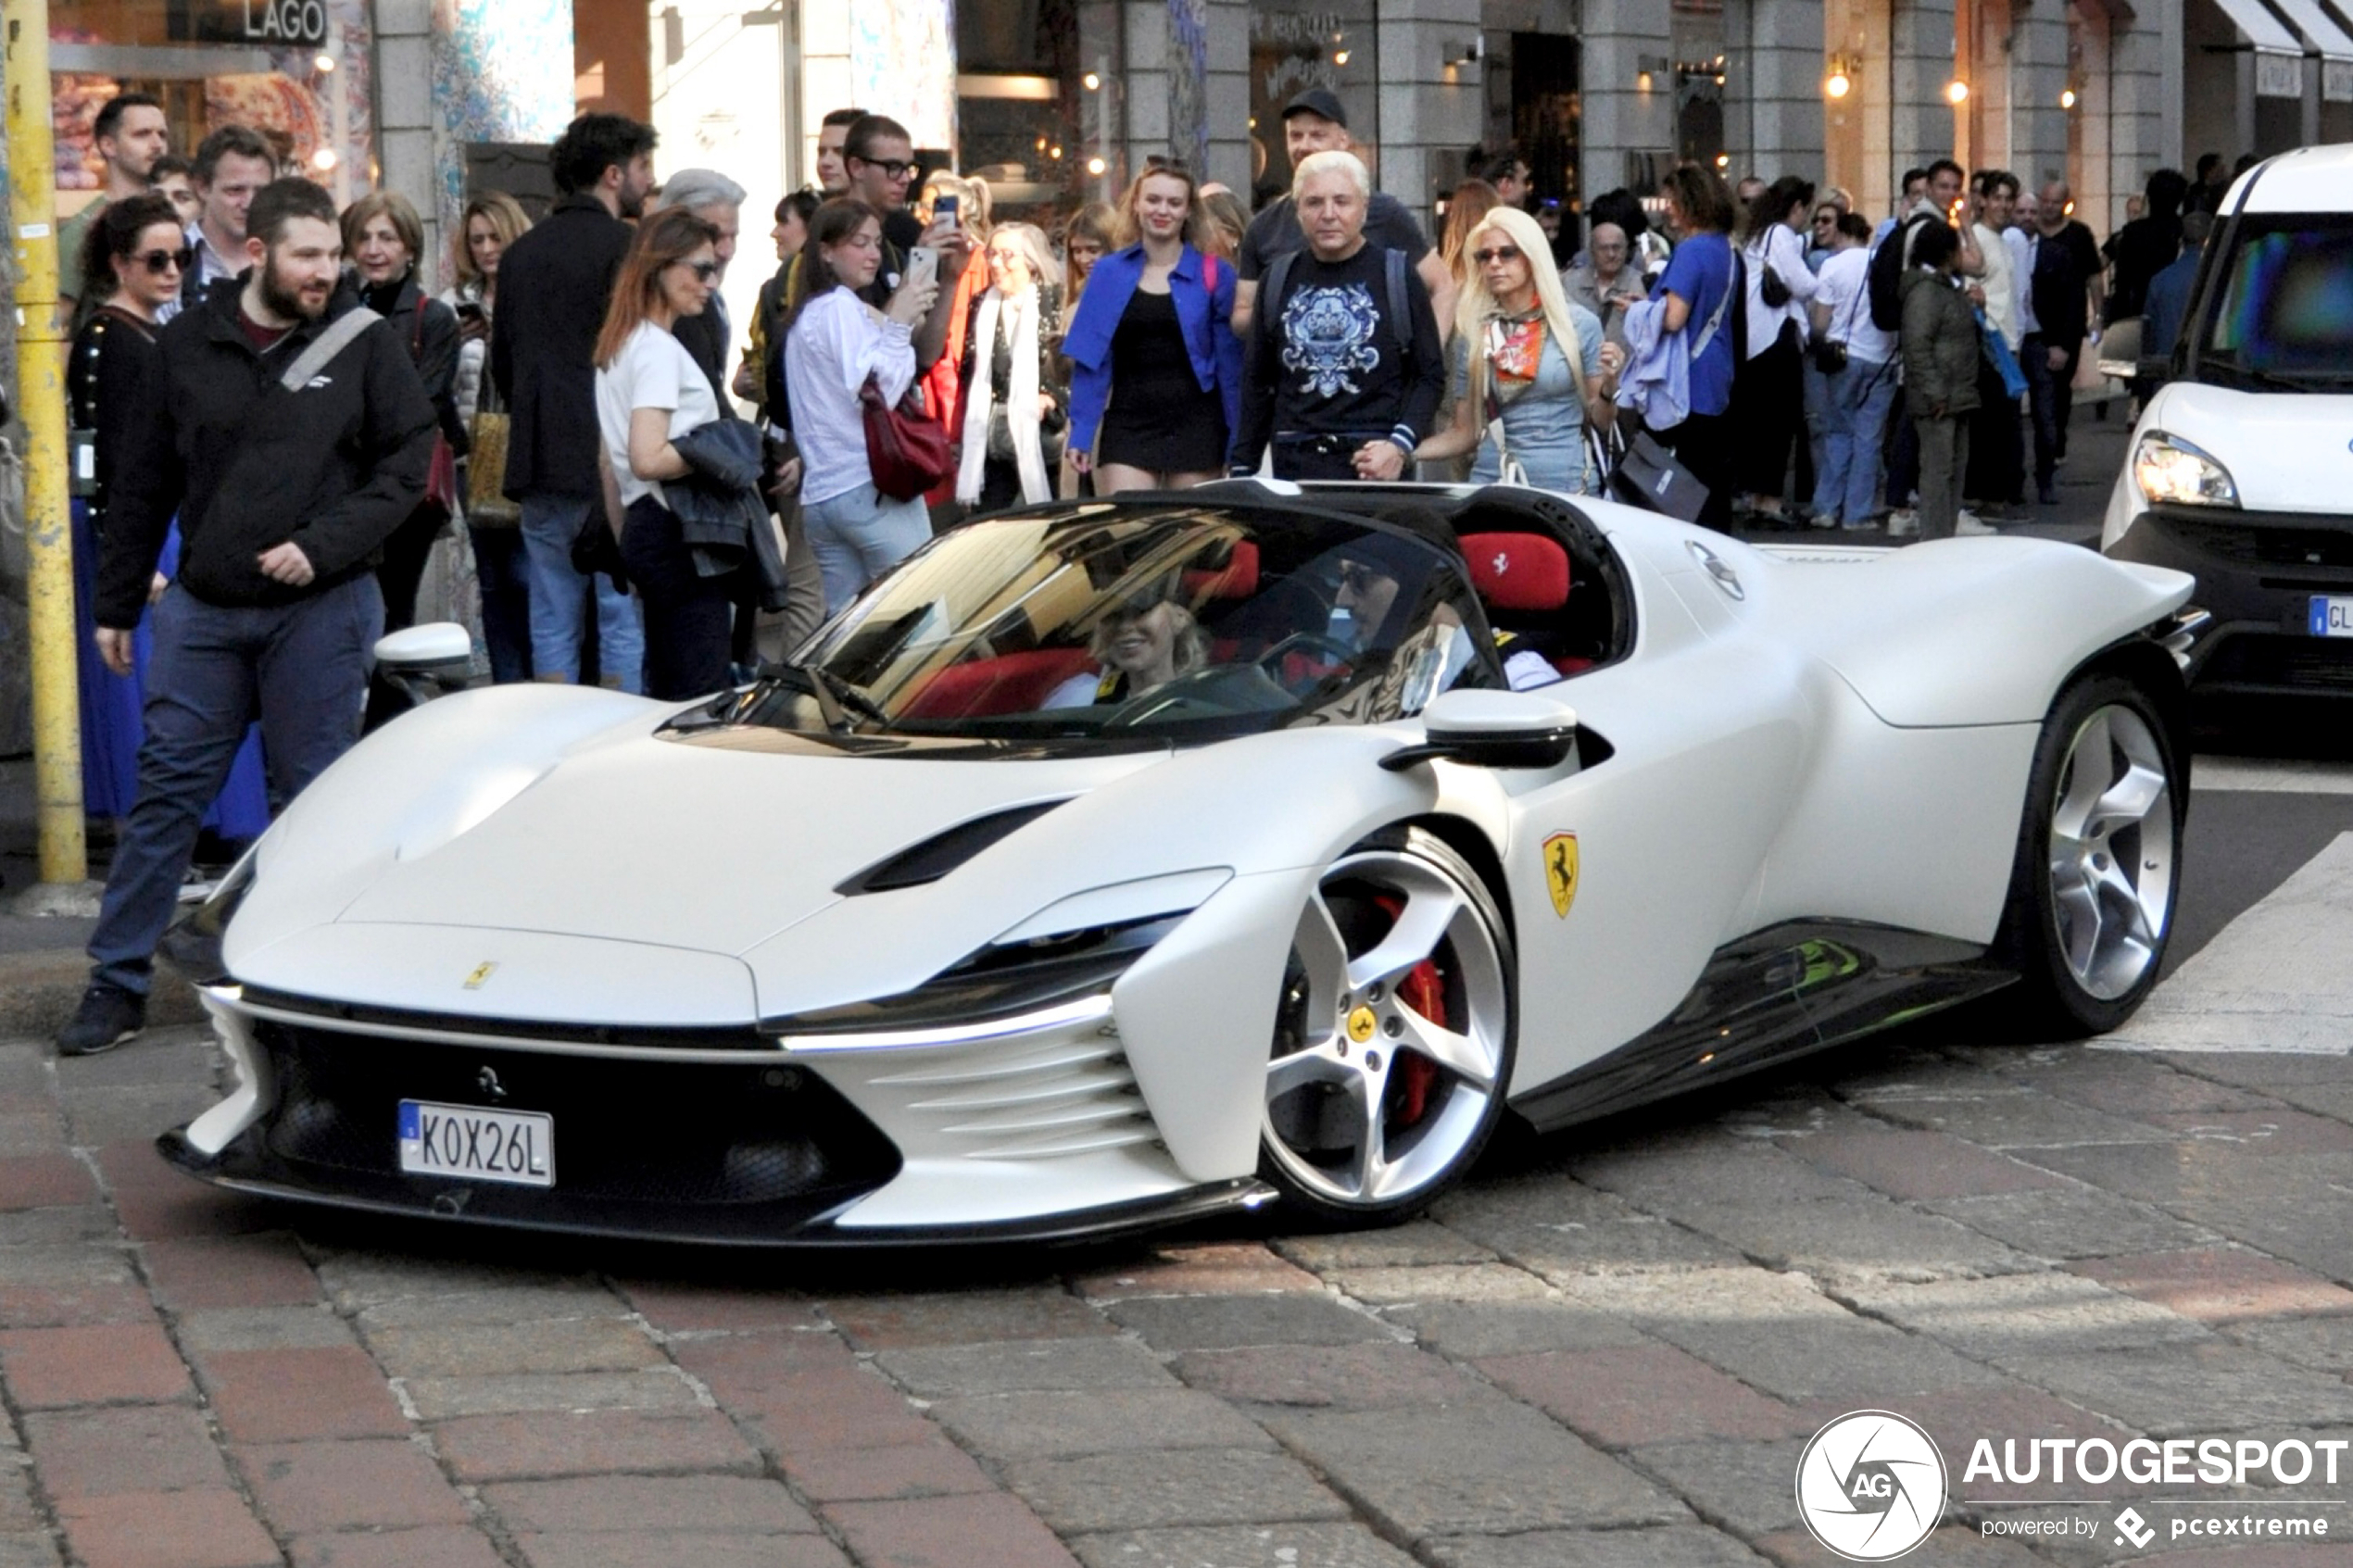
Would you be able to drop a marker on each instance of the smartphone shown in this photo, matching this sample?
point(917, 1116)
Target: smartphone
point(468, 310)
point(923, 265)
point(945, 205)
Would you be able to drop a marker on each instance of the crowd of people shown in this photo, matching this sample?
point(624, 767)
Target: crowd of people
point(283, 428)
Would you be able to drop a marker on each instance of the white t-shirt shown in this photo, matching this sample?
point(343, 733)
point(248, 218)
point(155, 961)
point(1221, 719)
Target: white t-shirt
point(1845, 293)
point(652, 370)
point(2000, 282)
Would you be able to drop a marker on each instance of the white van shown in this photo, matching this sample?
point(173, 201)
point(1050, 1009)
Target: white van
point(2241, 469)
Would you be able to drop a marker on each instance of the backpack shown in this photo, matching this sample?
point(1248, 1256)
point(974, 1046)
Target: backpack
point(1885, 279)
point(1400, 321)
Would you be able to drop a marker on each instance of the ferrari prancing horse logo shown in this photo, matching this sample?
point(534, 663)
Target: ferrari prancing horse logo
point(1560, 871)
point(483, 972)
point(1360, 1024)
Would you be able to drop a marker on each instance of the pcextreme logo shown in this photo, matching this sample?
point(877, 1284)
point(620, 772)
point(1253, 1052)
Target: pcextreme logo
point(1870, 1485)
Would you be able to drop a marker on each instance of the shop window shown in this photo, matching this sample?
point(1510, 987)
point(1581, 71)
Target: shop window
point(1332, 47)
point(295, 70)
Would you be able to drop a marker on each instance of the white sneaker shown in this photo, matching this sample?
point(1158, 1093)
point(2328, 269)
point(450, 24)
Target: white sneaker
point(1968, 522)
point(1903, 522)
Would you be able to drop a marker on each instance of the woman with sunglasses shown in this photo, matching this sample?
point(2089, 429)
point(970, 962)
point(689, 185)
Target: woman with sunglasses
point(132, 260)
point(1529, 369)
point(649, 393)
point(383, 237)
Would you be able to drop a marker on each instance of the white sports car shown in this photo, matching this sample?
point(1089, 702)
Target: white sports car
point(1111, 862)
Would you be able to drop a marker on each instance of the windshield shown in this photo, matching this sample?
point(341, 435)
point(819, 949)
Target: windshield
point(1156, 622)
point(2283, 313)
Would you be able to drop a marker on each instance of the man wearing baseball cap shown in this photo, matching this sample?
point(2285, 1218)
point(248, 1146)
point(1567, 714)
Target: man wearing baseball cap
point(1313, 123)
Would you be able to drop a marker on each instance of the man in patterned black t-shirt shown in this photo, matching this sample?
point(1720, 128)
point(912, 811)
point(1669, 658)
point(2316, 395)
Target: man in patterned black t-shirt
point(1345, 370)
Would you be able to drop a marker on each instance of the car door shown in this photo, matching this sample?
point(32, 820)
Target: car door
point(1627, 874)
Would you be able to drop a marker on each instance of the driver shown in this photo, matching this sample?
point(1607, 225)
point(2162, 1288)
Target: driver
point(1367, 591)
point(1146, 640)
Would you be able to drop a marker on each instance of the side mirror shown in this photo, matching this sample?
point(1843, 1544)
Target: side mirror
point(1484, 729)
point(427, 648)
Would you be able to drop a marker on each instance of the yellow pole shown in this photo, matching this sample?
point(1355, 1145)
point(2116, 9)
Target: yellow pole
point(41, 384)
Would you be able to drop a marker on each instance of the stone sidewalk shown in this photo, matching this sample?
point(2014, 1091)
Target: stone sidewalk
point(1607, 1348)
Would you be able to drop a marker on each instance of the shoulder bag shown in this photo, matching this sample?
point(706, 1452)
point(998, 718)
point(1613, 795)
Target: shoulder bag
point(486, 502)
point(907, 451)
point(441, 480)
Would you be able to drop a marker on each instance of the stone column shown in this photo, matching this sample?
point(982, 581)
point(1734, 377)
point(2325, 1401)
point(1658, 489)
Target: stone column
point(1773, 87)
point(2144, 127)
point(405, 122)
point(1919, 64)
point(2037, 75)
point(1229, 94)
point(1428, 105)
point(1621, 116)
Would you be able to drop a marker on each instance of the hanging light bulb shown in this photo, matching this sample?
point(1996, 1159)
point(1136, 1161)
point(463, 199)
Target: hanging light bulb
point(1956, 91)
point(323, 159)
point(1094, 166)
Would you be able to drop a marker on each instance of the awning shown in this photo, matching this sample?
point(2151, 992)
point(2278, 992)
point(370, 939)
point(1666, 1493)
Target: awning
point(2262, 30)
point(2324, 30)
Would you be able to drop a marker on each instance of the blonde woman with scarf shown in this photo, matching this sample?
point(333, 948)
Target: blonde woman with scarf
point(1528, 368)
point(1013, 405)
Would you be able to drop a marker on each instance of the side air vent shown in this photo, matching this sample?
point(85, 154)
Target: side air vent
point(943, 852)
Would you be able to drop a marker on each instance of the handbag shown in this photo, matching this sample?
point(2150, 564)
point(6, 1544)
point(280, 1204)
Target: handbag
point(1997, 354)
point(907, 451)
point(486, 502)
point(441, 478)
point(1770, 287)
point(1650, 477)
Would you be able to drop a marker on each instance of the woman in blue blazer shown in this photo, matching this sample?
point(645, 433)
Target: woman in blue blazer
point(1156, 371)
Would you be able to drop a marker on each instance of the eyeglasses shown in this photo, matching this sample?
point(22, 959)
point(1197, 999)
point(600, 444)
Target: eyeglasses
point(157, 262)
point(1501, 253)
point(703, 271)
point(892, 168)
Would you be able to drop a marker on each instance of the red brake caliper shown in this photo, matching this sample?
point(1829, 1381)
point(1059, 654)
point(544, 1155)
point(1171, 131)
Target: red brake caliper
point(1426, 994)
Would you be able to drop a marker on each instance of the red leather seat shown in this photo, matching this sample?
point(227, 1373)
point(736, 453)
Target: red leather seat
point(1238, 579)
point(1523, 580)
point(1011, 683)
point(1518, 571)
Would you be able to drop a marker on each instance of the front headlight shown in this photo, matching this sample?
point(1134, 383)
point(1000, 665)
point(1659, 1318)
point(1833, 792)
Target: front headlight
point(2170, 470)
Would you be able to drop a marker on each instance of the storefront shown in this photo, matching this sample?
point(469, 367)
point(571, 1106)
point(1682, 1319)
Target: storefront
point(295, 70)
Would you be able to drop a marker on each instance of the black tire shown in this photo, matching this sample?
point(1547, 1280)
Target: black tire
point(1433, 1118)
point(2059, 995)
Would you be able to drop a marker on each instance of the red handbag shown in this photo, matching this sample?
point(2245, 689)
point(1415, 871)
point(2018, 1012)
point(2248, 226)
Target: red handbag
point(906, 448)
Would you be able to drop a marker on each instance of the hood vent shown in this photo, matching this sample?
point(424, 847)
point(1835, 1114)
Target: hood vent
point(943, 852)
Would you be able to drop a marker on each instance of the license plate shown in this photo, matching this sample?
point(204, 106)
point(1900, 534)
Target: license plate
point(2332, 615)
point(481, 1145)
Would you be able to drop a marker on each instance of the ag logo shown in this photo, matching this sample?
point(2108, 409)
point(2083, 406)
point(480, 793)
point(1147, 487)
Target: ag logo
point(1560, 871)
point(1870, 1485)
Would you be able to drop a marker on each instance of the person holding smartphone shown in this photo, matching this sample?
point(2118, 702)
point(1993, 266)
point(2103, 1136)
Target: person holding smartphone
point(493, 221)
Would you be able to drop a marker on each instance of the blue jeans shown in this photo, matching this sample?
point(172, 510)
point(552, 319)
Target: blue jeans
point(1856, 413)
point(501, 572)
point(303, 665)
point(859, 534)
point(559, 597)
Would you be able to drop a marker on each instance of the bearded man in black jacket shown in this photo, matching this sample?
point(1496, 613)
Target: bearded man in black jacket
point(291, 434)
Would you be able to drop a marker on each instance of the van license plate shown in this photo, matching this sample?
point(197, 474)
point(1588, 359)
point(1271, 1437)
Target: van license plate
point(481, 1146)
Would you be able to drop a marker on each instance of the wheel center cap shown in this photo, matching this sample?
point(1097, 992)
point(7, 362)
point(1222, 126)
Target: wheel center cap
point(1361, 1024)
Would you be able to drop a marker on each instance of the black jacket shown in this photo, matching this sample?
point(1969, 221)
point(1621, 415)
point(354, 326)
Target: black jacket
point(704, 337)
point(430, 328)
point(112, 381)
point(554, 283)
point(247, 465)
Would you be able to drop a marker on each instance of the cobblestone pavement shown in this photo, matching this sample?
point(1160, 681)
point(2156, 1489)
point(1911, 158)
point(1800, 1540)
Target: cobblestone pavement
point(1607, 1348)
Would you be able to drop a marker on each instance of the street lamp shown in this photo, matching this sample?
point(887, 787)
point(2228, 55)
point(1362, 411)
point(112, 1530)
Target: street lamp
point(1841, 79)
point(2067, 97)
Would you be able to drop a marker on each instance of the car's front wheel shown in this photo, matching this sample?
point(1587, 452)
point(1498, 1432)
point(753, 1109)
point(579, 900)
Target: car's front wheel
point(2092, 896)
point(1393, 1044)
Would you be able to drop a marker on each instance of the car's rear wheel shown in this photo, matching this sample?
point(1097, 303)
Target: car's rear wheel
point(1393, 1044)
point(2092, 896)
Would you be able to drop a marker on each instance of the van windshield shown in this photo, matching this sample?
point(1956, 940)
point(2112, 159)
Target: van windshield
point(2280, 315)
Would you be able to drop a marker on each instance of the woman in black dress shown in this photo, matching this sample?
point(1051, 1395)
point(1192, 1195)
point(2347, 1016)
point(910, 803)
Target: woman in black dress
point(1156, 369)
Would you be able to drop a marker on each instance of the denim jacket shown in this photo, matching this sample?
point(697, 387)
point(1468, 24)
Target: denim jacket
point(1205, 319)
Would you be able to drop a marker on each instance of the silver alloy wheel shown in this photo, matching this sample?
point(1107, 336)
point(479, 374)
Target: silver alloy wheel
point(2111, 851)
point(1357, 1027)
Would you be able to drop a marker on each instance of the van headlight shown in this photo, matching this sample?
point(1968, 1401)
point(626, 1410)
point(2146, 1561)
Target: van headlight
point(2171, 471)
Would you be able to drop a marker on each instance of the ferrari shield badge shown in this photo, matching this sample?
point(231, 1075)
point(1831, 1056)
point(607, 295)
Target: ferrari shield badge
point(1560, 871)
